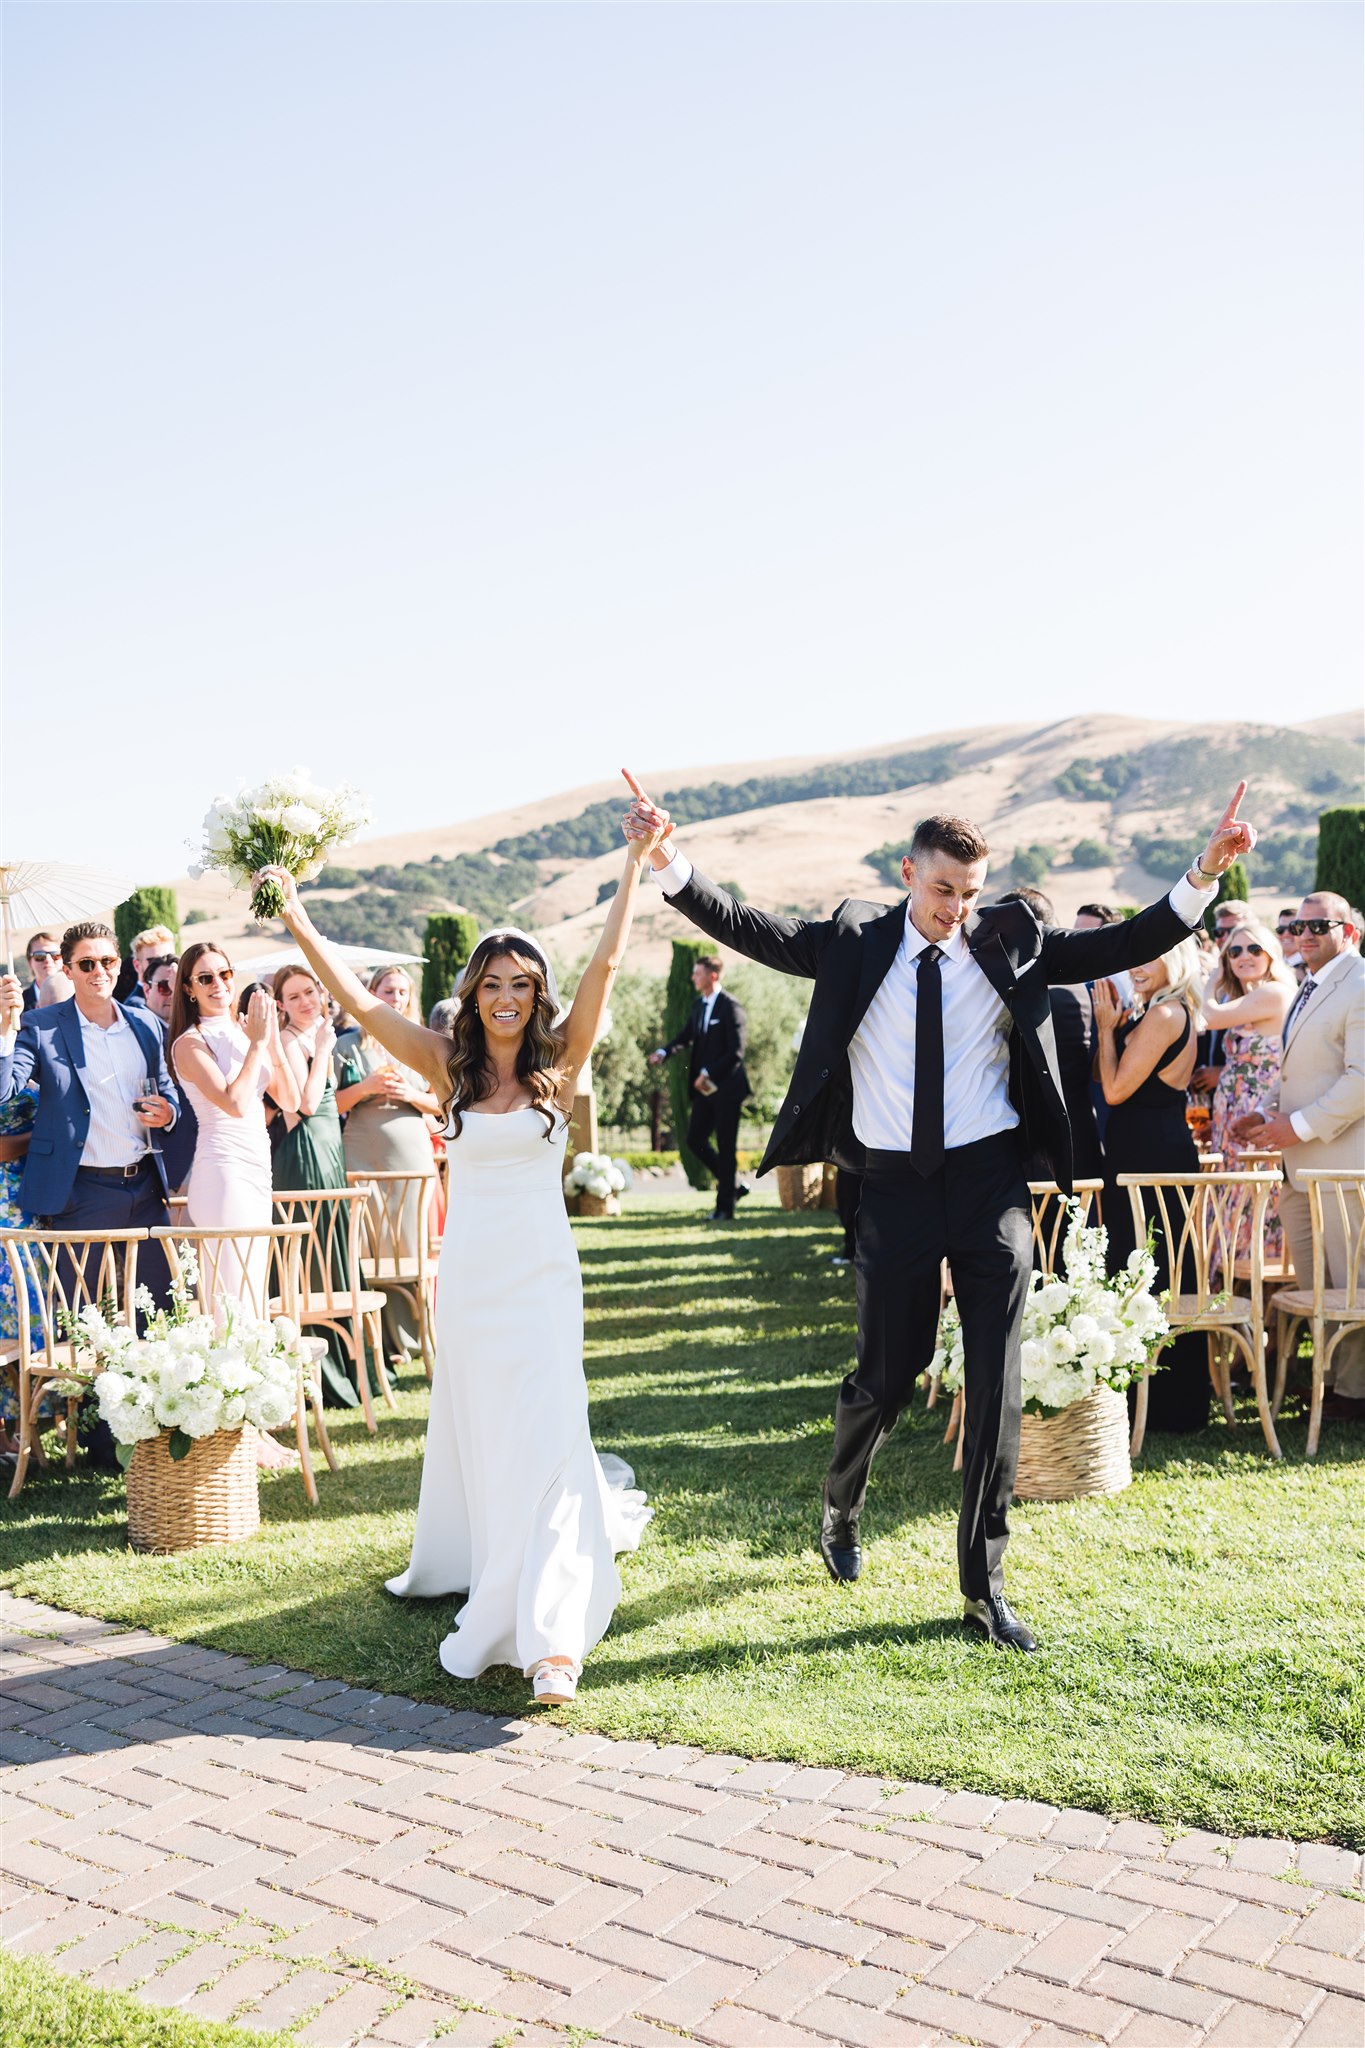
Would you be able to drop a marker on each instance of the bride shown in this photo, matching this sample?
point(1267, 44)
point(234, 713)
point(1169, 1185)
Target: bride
point(515, 1505)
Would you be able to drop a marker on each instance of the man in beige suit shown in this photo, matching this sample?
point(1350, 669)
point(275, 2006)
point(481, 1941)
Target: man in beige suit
point(1321, 1118)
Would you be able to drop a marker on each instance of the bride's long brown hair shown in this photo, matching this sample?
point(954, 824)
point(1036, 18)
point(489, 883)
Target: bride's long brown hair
point(471, 1075)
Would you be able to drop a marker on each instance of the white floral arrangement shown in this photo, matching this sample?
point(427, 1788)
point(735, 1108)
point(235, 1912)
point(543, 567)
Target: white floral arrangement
point(1081, 1332)
point(285, 822)
point(594, 1173)
point(190, 1373)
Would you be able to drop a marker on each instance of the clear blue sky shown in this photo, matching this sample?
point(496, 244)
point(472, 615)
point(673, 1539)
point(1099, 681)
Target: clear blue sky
point(459, 399)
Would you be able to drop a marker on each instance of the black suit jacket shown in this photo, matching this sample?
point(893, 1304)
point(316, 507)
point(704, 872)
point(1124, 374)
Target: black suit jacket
point(848, 956)
point(1071, 1020)
point(721, 1049)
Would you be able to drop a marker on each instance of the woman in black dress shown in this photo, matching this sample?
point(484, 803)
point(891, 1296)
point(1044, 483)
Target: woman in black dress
point(1145, 1065)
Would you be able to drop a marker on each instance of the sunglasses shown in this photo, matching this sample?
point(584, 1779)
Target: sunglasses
point(211, 977)
point(1235, 952)
point(107, 961)
point(1318, 926)
point(40, 953)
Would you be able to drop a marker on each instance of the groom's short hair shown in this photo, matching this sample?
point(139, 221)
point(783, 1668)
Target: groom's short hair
point(957, 837)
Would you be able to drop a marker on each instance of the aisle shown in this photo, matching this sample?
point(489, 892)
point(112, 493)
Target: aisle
point(246, 1841)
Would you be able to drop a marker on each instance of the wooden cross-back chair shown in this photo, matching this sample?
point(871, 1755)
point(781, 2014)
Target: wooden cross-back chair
point(1336, 1206)
point(56, 1273)
point(395, 1245)
point(1200, 1216)
point(1049, 1220)
point(262, 1268)
point(333, 1294)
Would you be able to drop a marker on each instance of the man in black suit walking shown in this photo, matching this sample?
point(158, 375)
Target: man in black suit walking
point(714, 1035)
point(929, 1064)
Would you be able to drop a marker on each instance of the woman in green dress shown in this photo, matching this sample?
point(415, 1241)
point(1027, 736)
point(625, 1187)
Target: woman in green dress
point(386, 1107)
point(310, 1156)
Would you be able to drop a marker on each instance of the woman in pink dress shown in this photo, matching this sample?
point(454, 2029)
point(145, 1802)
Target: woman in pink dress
point(225, 1068)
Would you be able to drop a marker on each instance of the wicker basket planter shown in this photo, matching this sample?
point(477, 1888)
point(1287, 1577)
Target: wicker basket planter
point(1081, 1450)
point(208, 1496)
point(800, 1187)
point(584, 1204)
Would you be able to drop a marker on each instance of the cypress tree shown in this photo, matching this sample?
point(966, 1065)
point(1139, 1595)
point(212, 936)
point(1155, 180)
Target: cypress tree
point(1233, 887)
point(678, 1001)
point(450, 939)
point(1341, 853)
point(146, 906)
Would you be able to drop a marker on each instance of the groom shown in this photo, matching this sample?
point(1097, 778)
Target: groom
point(929, 1065)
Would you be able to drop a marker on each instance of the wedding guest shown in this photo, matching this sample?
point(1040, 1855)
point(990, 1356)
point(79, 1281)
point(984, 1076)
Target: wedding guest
point(1145, 1068)
point(1226, 917)
point(310, 1155)
point(1247, 998)
point(386, 1106)
point(224, 1071)
point(442, 1016)
point(44, 956)
point(105, 1096)
point(158, 986)
point(1072, 1031)
point(714, 1034)
point(153, 944)
point(1092, 917)
point(1320, 1122)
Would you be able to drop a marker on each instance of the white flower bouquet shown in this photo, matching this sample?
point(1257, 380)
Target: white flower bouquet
point(191, 1373)
point(593, 1173)
point(285, 822)
point(1081, 1332)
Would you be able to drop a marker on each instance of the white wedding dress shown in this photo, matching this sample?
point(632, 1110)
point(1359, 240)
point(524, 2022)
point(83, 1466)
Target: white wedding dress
point(515, 1505)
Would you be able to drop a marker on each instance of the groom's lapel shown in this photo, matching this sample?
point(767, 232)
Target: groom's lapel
point(987, 948)
point(881, 939)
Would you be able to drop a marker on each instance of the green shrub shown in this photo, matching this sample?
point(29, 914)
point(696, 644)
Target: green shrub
point(449, 941)
point(195, 917)
point(1032, 864)
point(1091, 853)
point(1341, 853)
point(1099, 779)
point(622, 1078)
point(146, 906)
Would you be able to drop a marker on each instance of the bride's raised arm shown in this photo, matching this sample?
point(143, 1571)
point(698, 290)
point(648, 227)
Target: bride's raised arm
point(584, 1020)
point(412, 1044)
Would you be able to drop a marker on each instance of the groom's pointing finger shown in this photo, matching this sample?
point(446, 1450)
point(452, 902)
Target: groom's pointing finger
point(634, 786)
point(1230, 814)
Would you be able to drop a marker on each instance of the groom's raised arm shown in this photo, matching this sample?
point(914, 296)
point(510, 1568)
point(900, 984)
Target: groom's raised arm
point(792, 945)
point(1089, 956)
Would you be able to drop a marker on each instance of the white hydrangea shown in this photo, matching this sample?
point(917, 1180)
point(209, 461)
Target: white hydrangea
point(1081, 1331)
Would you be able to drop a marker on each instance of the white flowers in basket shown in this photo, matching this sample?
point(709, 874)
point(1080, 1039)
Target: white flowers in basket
point(285, 822)
point(593, 1173)
point(1081, 1332)
point(191, 1373)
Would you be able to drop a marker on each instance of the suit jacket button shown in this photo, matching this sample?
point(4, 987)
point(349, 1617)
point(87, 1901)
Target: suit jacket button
point(824, 1073)
point(796, 1109)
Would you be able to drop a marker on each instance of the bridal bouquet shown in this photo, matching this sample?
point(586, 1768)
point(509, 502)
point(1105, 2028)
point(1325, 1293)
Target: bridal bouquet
point(191, 1373)
point(593, 1173)
point(1081, 1332)
point(286, 822)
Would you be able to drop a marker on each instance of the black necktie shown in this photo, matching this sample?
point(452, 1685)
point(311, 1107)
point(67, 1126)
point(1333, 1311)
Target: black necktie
point(926, 1136)
point(1300, 1003)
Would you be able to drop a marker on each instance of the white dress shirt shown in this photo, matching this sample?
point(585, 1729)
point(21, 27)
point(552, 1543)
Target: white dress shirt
point(976, 1028)
point(114, 1072)
point(1299, 1123)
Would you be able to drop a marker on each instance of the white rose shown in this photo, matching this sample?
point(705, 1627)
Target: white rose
point(1083, 1328)
point(1060, 1347)
point(1054, 1297)
point(1099, 1352)
point(302, 820)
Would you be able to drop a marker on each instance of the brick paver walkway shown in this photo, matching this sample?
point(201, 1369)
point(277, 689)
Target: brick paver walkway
point(253, 1843)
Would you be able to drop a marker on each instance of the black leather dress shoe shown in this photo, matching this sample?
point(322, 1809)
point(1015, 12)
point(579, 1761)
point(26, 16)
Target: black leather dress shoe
point(742, 1189)
point(996, 1620)
point(839, 1545)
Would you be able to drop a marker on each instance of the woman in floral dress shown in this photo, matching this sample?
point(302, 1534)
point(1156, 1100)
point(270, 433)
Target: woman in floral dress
point(1248, 998)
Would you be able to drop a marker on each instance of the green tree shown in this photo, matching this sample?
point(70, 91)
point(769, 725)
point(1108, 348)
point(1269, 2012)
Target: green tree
point(1341, 853)
point(450, 939)
point(679, 997)
point(622, 1077)
point(1233, 887)
point(1091, 853)
point(775, 1006)
point(1031, 864)
point(146, 906)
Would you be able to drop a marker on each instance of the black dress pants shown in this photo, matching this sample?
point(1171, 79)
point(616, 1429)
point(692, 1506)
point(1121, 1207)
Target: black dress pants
point(974, 1211)
point(717, 1117)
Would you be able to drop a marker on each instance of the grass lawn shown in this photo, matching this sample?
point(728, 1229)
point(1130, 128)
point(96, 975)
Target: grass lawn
point(44, 2009)
point(1202, 1661)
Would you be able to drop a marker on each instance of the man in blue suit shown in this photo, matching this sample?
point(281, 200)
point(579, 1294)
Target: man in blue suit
point(105, 1096)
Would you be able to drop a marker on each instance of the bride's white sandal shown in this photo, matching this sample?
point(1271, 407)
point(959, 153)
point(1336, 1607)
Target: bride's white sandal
point(554, 1685)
